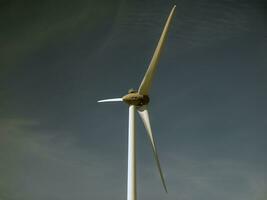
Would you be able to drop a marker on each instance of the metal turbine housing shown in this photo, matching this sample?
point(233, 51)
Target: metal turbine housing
point(136, 99)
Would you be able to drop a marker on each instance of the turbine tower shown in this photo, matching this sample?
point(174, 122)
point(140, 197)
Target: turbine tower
point(138, 100)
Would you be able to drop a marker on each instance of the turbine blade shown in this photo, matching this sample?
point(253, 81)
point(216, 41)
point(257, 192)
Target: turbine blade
point(143, 112)
point(146, 83)
point(109, 100)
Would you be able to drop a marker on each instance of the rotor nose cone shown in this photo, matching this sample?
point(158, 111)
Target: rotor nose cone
point(136, 99)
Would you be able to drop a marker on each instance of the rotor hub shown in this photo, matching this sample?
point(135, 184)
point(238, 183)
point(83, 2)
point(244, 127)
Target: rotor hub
point(136, 99)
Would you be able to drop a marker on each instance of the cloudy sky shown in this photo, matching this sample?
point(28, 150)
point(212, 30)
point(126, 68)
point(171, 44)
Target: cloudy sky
point(208, 101)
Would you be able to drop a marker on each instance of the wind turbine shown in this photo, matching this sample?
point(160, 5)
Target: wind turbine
point(138, 100)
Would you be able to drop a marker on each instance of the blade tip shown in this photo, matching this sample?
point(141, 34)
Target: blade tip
point(173, 8)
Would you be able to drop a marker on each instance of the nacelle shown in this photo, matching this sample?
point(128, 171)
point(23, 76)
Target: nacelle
point(136, 99)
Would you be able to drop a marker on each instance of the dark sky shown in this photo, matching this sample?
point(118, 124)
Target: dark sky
point(208, 101)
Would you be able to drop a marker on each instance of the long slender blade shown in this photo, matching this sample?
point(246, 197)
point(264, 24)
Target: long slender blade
point(110, 100)
point(143, 112)
point(146, 83)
